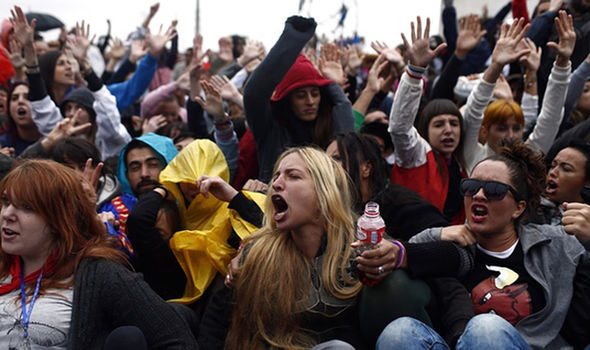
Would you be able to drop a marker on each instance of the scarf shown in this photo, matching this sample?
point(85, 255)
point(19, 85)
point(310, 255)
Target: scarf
point(15, 267)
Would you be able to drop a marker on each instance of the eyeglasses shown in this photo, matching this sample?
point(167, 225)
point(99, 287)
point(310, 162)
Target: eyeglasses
point(493, 190)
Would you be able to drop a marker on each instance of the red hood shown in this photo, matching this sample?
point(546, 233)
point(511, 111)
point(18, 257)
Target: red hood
point(5, 29)
point(302, 73)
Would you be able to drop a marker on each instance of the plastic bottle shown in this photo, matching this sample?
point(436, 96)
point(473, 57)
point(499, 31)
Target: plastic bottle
point(369, 231)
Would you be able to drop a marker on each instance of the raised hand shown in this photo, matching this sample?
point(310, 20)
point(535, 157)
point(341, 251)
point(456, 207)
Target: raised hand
point(506, 47)
point(138, 50)
point(81, 41)
point(64, 129)
point(330, 64)
point(213, 104)
point(195, 72)
point(252, 50)
point(23, 32)
point(375, 77)
point(156, 42)
point(354, 57)
point(391, 54)
point(470, 34)
point(532, 60)
point(227, 89)
point(16, 58)
point(567, 38)
point(225, 49)
point(117, 50)
point(153, 124)
point(198, 54)
point(419, 53)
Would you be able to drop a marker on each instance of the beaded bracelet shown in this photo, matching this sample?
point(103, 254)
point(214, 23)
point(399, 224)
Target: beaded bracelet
point(400, 256)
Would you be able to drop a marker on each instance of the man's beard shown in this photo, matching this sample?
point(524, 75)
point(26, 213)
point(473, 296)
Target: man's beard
point(142, 186)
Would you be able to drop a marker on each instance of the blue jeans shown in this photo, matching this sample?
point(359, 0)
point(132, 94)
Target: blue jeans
point(485, 331)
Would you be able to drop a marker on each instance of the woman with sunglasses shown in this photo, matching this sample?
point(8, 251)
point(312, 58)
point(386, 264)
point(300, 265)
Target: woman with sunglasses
point(519, 276)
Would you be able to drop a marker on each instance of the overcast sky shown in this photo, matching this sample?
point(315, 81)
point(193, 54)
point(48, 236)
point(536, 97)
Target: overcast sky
point(258, 19)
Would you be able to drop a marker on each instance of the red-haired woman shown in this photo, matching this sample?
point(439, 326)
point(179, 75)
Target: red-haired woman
point(62, 283)
point(504, 119)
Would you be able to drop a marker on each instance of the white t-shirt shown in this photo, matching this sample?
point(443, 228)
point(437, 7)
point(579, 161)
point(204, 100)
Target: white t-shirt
point(49, 323)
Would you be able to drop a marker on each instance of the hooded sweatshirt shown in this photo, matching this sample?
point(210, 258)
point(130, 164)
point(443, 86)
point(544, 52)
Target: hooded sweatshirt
point(202, 248)
point(284, 70)
point(121, 205)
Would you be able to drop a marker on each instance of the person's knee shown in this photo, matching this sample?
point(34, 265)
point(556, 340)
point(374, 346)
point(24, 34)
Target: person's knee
point(399, 327)
point(409, 333)
point(489, 331)
point(487, 325)
point(125, 337)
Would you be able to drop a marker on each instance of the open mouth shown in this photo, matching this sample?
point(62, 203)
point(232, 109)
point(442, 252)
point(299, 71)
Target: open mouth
point(280, 206)
point(8, 233)
point(551, 187)
point(479, 212)
point(448, 141)
point(21, 111)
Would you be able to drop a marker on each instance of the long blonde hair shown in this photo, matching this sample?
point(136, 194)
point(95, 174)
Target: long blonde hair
point(272, 288)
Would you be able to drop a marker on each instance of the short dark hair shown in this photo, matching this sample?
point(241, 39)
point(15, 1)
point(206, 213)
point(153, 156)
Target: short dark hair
point(76, 150)
point(135, 144)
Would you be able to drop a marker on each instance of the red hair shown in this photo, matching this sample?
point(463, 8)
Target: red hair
point(55, 192)
point(498, 112)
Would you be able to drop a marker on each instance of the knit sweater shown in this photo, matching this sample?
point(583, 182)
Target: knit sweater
point(107, 296)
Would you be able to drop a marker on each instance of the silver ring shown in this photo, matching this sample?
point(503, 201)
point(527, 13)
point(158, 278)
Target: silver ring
point(380, 270)
point(227, 277)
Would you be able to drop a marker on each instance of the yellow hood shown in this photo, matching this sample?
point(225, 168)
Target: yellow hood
point(202, 249)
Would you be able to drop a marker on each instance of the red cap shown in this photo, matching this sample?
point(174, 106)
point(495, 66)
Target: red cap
point(301, 74)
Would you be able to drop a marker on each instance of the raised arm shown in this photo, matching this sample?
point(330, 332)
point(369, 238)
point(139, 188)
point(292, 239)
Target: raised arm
point(272, 69)
point(410, 148)
point(470, 34)
point(552, 110)
point(505, 52)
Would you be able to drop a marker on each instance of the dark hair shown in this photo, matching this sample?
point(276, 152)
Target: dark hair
point(11, 125)
point(379, 130)
point(184, 135)
point(434, 108)
point(526, 169)
point(355, 149)
point(75, 150)
point(136, 144)
point(583, 148)
point(47, 63)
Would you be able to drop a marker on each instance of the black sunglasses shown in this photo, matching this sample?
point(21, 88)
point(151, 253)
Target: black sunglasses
point(493, 190)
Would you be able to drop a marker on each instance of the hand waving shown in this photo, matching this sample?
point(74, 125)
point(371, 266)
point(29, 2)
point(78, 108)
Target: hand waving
point(330, 64)
point(506, 46)
point(470, 34)
point(419, 53)
point(23, 32)
point(567, 38)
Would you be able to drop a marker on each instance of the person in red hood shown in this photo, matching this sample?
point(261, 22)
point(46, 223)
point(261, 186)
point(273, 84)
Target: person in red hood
point(6, 69)
point(289, 103)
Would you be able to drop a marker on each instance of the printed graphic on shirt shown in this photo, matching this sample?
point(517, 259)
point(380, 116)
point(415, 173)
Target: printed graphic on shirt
point(499, 295)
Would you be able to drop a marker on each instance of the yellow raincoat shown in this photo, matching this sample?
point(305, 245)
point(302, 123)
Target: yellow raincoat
point(202, 249)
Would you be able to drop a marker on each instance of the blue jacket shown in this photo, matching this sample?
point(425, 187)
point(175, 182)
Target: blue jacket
point(129, 91)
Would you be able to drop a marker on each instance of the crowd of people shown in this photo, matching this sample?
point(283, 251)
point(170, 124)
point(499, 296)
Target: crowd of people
point(153, 199)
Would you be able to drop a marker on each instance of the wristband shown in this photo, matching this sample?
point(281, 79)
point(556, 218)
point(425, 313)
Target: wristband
point(411, 75)
point(400, 255)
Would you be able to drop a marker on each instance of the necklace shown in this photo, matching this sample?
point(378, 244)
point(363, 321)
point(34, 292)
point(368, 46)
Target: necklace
point(27, 314)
